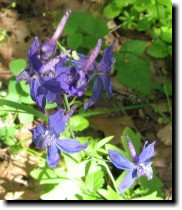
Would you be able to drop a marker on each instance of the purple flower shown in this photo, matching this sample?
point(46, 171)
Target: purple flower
point(40, 93)
point(139, 167)
point(102, 77)
point(48, 48)
point(34, 64)
point(74, 79)
point(48, 138)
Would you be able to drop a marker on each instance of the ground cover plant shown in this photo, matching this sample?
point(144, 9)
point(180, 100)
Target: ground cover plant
point(48, 104)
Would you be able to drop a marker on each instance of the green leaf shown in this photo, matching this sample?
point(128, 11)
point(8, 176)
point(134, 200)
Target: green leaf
point(111, 11)
point(74, 40)
point(136, 75)
point(113, 147)
point(25, 87)
point(25, 108)
point(101, 28)
point(25, 118)
point(84, 21)
point(93, 113)
point(155, 184)
point(152, 196)
point(104, 141)
point(94, 181)
point(120, 4)
point(89, 42)
point(158, 50)
point(16, 66)
point(135, 138)
point(78, 123)
point(166, 34)
point(167, 3)
point(132, 49)
point(7, 135)
point(109, 194)
point(71, 27)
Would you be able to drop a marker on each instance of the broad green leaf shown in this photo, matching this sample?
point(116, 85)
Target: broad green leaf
point(136, 75)
point(74, 40)
point(16, 66)
point(132, 49)
point(84, 21)
point(78, 123)
point(152, 196)
point(101, 28)
point(71, 27)
point(111, 11)
point(89, 42)
point(104, 141)
point(158, 50)
point(25, 118)
point(94, 181)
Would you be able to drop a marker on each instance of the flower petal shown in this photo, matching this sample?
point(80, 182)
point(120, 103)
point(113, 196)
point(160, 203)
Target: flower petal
point(33, 53)
point(38, 94)
point(53, 156)
point(24, 75)
point(128, 180)
point(119, 161)
point(51, 84)
point(36, 132)
point(57, 122)
point(132, 149)
point(34, 47)
point(107, 57)
point(70, 146)
point(145, 169)
point(97, 91)
point(107, 85)
point(147, 152)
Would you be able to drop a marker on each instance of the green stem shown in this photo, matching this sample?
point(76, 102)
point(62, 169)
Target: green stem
point(115, 28)
point(64, 50)
point(68, 110)
point(102, 162)
point(111, 177)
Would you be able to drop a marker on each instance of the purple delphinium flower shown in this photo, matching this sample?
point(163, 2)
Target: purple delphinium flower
point(33, 76)
point(139, 167)
point(48, 48)
point(74, 79)
point(48, 138)
point(102, 77)
point(33, 64)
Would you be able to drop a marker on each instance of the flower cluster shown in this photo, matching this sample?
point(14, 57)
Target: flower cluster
point(53, 78)
point(53, 75)
point(139, 167)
